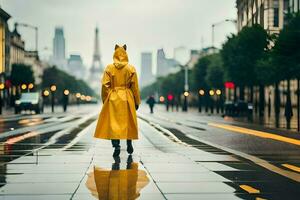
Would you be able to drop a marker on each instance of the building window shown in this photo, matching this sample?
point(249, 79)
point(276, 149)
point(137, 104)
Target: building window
point(276, 17)
point(262, 15)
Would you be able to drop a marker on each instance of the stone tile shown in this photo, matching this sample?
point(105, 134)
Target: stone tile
point(35, 197)
point(143, 196)
point(213, 157)
point(199, 187)
point(214, 166)
point(188, 177)
point(38, 188)
point(206, 196)
point(180, 168)
point(42, 178)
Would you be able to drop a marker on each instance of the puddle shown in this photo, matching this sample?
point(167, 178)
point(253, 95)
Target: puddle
point(117, 183)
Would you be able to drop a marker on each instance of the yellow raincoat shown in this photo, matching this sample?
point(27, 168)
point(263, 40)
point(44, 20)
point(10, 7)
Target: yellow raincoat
point(120, 94)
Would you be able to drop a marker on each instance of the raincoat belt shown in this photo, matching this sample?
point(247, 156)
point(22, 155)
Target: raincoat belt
point(120, 88)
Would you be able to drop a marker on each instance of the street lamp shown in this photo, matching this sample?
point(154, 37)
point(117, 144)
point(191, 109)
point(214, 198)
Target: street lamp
point(46, 93)
point(201, 94)
point(218, 93)
point(161, 99)
point(212, 93)
point(213, 29)
point(88, 98)
point(30, 86)
point(65, 99)
point(52, 89)
point(185, 103)
point(83, 97)
point(78, 95)
point(2, 86)
point(23, 86)
point(66, 92)
point(186, 88)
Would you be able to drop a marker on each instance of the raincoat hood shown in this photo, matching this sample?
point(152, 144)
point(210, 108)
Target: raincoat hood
point(120, 57)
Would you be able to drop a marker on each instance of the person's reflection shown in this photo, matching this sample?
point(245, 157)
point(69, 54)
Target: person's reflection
point(117, 183)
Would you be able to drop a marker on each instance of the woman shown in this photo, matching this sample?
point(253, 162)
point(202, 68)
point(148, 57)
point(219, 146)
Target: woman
point(121, 98)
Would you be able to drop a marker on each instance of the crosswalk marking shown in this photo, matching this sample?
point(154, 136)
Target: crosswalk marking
point(250, 189)
point(292, 167)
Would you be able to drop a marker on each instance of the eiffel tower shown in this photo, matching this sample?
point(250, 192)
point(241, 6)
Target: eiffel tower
point(97, 68)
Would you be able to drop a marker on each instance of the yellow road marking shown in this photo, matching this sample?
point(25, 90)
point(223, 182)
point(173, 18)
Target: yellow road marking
point(256, 133)
point(250, 189)
point(292, 167)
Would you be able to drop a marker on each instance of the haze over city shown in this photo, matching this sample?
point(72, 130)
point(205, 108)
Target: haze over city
point(142, 24)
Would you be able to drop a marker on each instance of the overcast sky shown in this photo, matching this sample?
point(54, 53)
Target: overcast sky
point(144, 25)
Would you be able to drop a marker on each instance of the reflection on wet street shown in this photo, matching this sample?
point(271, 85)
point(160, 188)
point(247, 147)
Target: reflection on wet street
point(54, 156)
point(117, 183)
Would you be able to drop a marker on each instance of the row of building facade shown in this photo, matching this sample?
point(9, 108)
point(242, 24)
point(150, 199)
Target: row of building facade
point(272, 15)
point(13, 51)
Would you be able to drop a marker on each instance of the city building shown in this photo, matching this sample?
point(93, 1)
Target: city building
point(59, 49)
point(270, 14)
point(16, 48)
point(4, 16)
point(195, 55)
point(147, 76)
point(97, 67)
point(18, 55)
point(76, 67)
point(294, 6)
point(165, 65)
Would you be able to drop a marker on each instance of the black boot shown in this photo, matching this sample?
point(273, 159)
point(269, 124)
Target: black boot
point(129, 147)
point(116, 164)
point(117, 152)
point(129, 161)
point(116, 145)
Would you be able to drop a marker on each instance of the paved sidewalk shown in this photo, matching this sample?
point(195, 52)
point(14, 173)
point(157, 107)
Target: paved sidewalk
point(161, 168)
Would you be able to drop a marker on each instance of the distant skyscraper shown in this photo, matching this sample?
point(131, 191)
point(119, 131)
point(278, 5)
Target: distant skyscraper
point(59, 49)
point(165, 65)
point(162, 69)
point(97, 68)
point(76, 67)
point(146, 77)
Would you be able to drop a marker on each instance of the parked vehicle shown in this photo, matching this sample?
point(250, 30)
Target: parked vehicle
point(29, 101)
point(229, 108)
point(238, 108)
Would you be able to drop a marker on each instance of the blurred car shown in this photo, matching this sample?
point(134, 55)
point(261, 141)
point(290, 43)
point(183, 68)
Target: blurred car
point(29, 101)
point(237, 108)
point(229, 107)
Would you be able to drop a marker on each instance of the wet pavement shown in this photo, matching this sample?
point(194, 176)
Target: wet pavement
point(177, 157)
